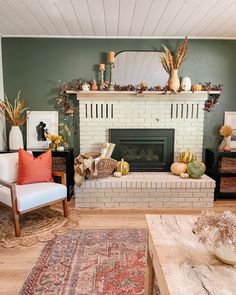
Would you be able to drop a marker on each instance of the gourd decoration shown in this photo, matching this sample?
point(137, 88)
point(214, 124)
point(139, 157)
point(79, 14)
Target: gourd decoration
point(203, 165)
point(195, 169)
point(117, 174)
point(177, 168)
point(184, 175)
point(197, 87)
point(186, 83)
point(187, 157)
point(122, 167)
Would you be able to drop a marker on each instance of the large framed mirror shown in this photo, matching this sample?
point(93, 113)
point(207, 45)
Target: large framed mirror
point(134, 67)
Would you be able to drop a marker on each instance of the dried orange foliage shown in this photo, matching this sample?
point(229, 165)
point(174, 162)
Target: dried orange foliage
point(226, 131)
point(15, 114)
point(174, 60)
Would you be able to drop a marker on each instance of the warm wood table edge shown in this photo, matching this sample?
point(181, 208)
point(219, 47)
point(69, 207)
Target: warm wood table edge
point(153, 267)
point(180, 263)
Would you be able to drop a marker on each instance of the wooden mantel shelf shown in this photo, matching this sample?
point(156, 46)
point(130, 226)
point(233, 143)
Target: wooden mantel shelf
point(132, 95)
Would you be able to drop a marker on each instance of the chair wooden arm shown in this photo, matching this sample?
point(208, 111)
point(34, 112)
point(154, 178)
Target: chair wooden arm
point(60, 174)
point(6, 183)
point(12, 187)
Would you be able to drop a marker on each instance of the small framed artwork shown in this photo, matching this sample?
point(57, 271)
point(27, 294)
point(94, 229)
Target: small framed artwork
point(40, 123)
point(230, 119)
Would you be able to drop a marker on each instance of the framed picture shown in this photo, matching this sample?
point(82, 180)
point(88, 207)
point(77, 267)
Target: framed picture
point(40, 123)
point(230, 119)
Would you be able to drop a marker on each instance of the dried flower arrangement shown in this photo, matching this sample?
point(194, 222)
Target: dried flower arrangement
point(216, 229)
point(64, 130)
point(171, 60)
point(226, 131)
point(15, 114)
point(65, 133)
point(54, 138)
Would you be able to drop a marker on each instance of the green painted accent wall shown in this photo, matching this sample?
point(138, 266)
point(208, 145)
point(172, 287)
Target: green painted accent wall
point(36, 65)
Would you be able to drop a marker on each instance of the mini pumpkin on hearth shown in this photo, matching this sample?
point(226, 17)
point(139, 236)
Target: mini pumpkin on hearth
point(178, 168)
point(196, 169)
point(187, 157)
point(122, 167)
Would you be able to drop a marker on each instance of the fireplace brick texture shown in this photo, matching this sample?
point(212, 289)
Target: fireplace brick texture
point(140, 189)
point(185, 116)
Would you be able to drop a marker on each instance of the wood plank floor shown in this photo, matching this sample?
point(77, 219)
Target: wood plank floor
point(17, 262)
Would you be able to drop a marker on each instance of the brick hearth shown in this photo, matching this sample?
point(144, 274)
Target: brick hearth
point(146, 190)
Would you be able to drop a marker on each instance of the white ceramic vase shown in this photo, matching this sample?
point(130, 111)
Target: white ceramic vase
point(174, 82)
point(225, 143)
point(15, 138)
point(186, 83)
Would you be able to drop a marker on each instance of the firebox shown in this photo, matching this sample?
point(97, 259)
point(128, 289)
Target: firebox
point(144, 149)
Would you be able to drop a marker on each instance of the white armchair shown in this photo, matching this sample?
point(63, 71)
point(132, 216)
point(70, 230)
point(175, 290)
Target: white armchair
point(27, 197)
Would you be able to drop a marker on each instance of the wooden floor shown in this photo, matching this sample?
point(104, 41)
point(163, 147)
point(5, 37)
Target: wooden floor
point(17, 262)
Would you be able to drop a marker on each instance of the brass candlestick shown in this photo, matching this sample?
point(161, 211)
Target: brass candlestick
point(111, 84)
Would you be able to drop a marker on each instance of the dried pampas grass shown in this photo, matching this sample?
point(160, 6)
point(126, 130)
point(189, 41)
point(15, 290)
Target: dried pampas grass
point(174, 61)
point(15, 114)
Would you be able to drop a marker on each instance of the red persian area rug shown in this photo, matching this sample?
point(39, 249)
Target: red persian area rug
point(91, 262)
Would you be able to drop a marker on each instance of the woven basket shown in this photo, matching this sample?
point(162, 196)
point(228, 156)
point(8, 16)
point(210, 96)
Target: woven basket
point(105, 167)
point(228, 164)
point(228, 185)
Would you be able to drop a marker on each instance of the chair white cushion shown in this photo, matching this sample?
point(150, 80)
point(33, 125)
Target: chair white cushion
point(33, 195)
point(9, 166)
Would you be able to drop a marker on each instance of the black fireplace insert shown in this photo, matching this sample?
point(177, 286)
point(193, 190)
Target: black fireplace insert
point(144, 149)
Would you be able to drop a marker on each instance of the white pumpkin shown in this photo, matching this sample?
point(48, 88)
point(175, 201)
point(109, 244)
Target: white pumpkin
point(177, 168)
point(117, 174)
point(186, 83)
point(184, 175)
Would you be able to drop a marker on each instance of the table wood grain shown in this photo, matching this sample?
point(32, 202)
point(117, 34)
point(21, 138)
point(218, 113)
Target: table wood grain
point(181, 264)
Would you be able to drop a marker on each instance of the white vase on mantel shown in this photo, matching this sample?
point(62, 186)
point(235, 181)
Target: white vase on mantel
point(186, 83)
point(174, 82)
point(15, 138)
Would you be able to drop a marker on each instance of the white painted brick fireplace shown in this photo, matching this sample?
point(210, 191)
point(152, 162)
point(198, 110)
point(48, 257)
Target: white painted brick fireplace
point(101, 111)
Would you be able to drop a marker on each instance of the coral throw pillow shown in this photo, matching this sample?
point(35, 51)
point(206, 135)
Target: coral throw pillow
point(31, 170)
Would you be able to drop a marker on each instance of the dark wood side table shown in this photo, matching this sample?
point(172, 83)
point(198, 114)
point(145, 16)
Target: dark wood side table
point(62, 161)
point(221, 166)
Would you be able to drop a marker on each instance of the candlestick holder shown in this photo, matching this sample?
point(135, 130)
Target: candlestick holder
point(102, 77)
point(111, 84)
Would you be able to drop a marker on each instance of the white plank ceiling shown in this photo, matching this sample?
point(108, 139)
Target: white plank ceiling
point(119, 18)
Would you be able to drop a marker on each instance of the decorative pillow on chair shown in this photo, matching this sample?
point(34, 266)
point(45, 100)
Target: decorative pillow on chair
point(31, 170)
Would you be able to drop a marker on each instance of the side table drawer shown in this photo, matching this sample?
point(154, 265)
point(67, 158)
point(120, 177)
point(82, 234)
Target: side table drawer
point(228, 184)
point(59, 164)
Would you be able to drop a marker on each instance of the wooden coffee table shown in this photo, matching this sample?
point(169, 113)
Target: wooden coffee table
point(181, 264)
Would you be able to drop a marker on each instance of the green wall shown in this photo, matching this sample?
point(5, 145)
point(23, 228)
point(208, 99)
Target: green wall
point(36, 66)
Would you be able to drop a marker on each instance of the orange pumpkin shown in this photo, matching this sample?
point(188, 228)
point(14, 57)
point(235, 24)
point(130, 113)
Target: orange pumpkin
point(177, 168)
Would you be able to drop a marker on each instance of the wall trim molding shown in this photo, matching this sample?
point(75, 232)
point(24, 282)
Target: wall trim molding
point(117, 37)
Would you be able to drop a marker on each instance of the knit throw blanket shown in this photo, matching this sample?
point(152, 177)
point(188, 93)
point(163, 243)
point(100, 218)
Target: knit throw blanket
point(85, 164)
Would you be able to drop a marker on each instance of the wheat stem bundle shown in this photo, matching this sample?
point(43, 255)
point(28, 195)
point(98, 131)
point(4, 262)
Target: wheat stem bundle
point(15, 114)
point(171, 60)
